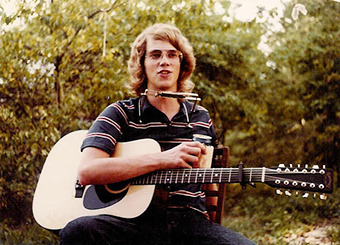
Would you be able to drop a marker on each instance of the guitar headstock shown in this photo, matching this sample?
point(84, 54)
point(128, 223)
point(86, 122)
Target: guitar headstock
point(299, 178)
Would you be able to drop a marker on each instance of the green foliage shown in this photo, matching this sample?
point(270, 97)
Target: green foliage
point(308, 54)
point(68, 60)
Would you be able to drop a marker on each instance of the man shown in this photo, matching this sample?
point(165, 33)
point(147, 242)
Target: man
point(161, 60)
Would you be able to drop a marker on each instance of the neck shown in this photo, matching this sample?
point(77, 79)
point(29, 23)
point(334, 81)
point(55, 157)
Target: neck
point(169, 106)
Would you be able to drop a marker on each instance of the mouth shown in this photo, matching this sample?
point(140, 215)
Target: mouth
point(164, 72)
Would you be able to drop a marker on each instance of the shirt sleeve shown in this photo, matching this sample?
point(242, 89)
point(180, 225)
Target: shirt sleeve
point(107, 129)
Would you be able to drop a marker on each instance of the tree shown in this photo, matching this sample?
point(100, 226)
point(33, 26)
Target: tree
point(68, 62)
point(307, 54)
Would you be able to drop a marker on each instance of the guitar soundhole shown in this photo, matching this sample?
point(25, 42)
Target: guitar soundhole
point(97, 197)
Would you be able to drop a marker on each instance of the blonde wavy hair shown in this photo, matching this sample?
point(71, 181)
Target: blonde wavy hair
point(163, 32)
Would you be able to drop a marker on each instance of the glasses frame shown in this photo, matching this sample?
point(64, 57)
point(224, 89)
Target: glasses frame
point(165, 53)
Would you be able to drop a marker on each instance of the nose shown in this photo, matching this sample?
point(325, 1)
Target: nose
point(164, 60)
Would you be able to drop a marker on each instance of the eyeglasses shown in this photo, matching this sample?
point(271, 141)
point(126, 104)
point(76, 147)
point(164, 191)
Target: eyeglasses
point(171, 55)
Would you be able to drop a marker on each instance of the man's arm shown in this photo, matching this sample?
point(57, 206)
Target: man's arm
point(97, 167)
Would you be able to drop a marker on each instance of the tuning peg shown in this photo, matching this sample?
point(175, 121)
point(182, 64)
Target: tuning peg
point(314, 195)
point(279, 192)
point(315, 167)
point(305, 195)
point(281, 165)
point(306, 166)
point(288, 193)
point(323, 196)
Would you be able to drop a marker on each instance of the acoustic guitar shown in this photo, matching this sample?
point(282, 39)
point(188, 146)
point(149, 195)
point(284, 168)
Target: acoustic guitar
point(59, 198)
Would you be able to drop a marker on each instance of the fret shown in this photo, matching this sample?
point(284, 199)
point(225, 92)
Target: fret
point(154, 177)
point(204, 172)
point(183, 177)
point(212, 175)
point(149, 178)
point(263, 174)
point(167, 179)
point(176, 176)
point(229, 175)
point(170, 179)
point(196, 176)
point(159, 181)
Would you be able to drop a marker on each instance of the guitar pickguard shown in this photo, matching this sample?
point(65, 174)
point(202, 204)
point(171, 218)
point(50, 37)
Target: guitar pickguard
point(96, 197)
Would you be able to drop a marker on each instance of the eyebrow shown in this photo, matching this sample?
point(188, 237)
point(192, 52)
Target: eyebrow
point(161, 50)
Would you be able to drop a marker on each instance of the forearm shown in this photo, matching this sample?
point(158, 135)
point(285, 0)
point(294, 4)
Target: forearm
point(105, 170)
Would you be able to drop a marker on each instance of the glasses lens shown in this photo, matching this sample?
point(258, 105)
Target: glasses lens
point(172, 54)
point(156, 54)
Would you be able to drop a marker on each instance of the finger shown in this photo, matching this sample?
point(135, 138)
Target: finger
point(194, 148)
point(202, 147)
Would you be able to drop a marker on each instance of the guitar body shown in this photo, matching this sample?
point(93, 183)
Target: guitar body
point(55, 204)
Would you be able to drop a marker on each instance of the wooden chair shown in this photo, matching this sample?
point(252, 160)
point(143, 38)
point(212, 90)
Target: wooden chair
point(215, 193)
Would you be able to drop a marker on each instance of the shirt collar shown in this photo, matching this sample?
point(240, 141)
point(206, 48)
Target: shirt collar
point(185, 108)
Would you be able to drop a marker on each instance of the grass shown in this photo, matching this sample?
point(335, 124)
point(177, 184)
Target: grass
point(267, 218)
point(26, 234)
point(258, 213)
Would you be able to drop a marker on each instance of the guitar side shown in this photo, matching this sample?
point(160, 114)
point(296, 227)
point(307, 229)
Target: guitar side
point(54, 202)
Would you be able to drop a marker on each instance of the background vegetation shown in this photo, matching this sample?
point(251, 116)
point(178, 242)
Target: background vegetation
point(66, 61)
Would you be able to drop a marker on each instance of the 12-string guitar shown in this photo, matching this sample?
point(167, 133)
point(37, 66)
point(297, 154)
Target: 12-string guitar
point(59, 198)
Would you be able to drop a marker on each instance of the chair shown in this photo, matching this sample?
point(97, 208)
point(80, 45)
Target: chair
point(215, 193)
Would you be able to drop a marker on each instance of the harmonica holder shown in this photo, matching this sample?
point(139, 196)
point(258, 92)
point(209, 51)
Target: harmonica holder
point(176, 95)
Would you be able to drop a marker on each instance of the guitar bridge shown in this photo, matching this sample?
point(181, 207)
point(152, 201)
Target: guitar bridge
point(79, 189)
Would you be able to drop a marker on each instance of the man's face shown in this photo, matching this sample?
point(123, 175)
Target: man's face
point(162, 65)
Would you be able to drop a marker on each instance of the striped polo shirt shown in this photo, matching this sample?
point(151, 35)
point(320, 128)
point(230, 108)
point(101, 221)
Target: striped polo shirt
point(136, 118)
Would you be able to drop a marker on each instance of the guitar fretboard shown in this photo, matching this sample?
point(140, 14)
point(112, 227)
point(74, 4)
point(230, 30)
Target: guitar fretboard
point(199, 175)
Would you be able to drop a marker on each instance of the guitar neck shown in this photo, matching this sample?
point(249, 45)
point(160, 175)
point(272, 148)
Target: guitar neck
point(202, 175)
point(315, 180)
